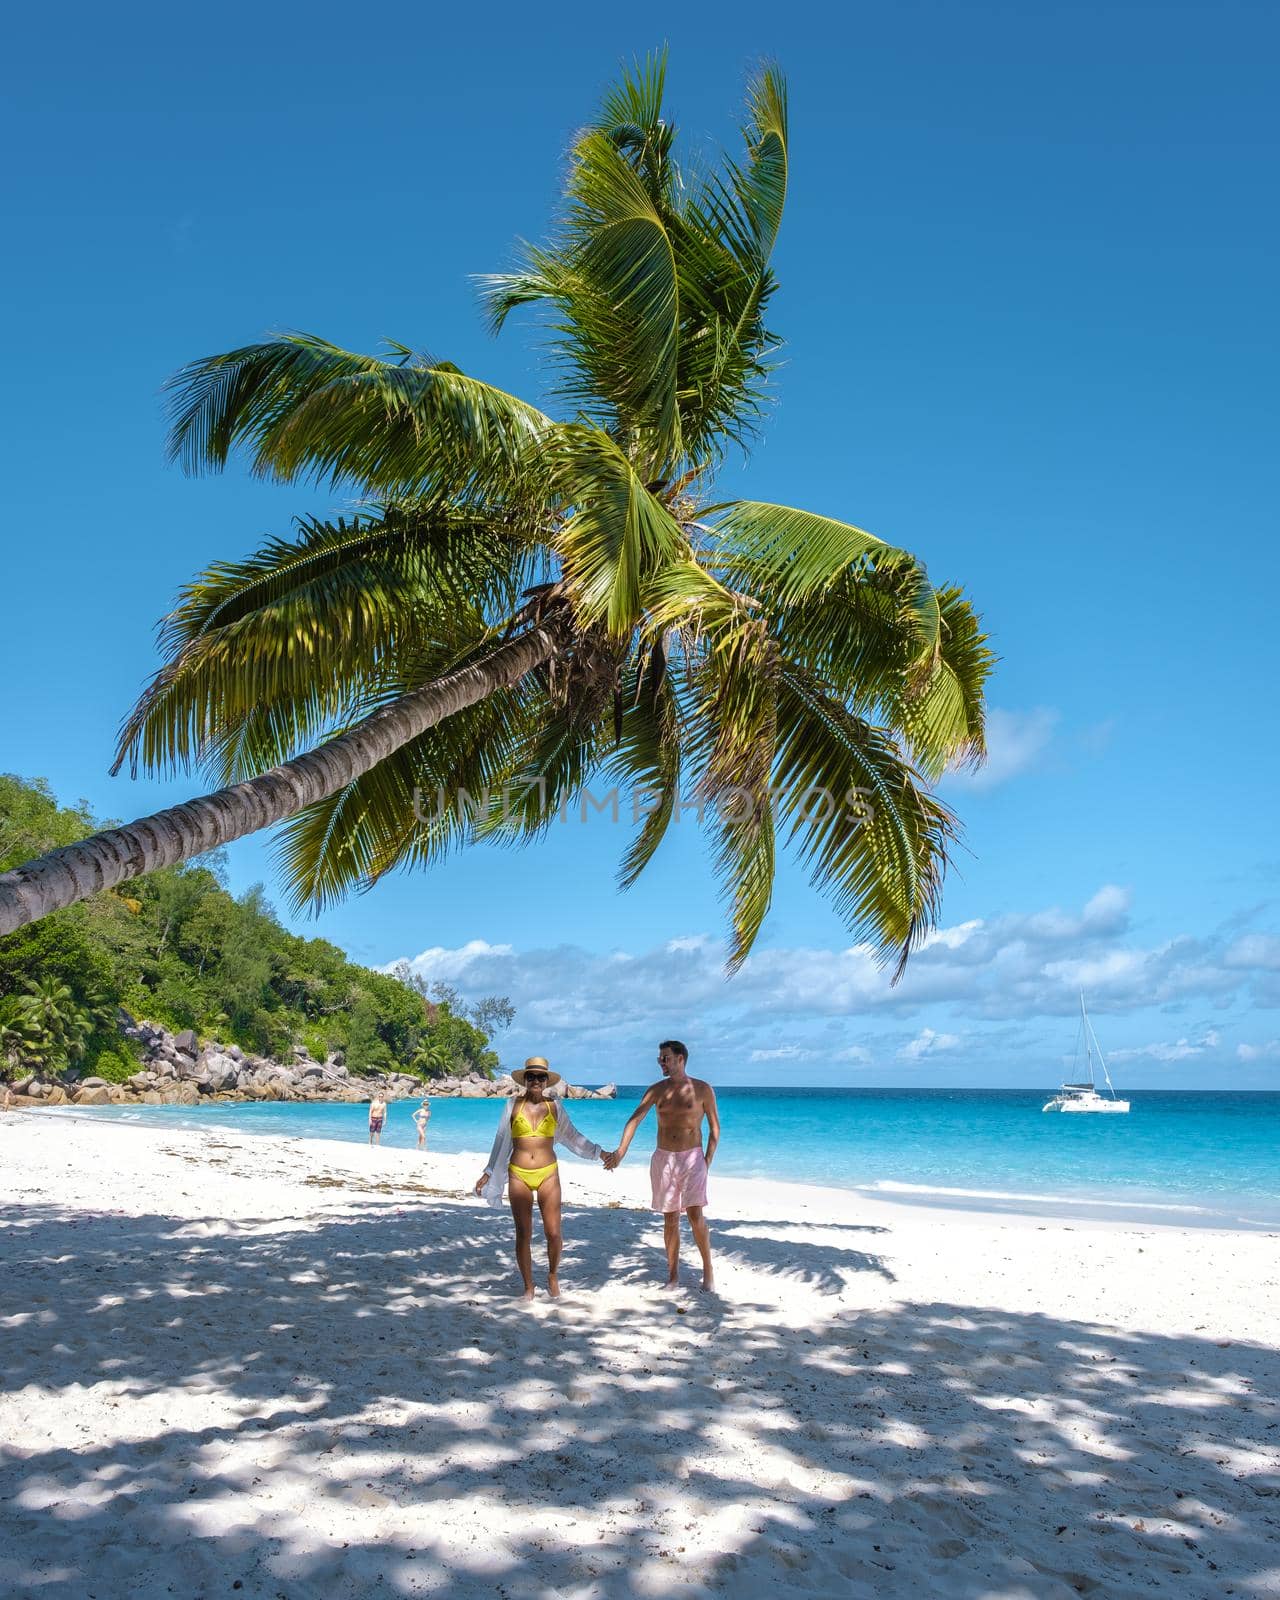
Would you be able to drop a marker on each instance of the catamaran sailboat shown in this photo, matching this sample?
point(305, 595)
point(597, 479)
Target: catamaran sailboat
point(1084, 1096)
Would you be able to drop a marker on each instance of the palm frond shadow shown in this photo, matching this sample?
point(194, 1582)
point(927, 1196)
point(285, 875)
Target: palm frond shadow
point(371, 1368)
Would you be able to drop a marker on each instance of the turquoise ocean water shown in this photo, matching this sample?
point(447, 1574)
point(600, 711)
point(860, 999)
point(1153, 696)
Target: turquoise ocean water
point(1212, 1159)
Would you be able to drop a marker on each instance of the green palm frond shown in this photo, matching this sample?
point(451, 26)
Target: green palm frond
point(616, 534)
point(437, 640)
point(305, 408)
point(648, 755)
point(860, 638)
point(725, 241)
point(626, 261)
point(943, 716)
point(562, 744)
point(656, 286)
point(795, 555)
point(733, 748)
point(411, 809)
point(610, 280)
point(549, 768)
point(614, 285)
point(451, 552)
point(879, 847)
point(761, 186)
point(745, 858)
point(631, 119)
point(272, 651)
point(499, 771)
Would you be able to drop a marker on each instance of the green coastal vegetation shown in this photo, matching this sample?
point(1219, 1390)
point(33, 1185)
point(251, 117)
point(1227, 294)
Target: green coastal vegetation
point(178, 949)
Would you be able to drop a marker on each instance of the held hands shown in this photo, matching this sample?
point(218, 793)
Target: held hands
point(612, 1160)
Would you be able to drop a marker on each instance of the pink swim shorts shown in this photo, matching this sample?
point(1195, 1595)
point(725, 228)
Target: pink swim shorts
point(679, 1179)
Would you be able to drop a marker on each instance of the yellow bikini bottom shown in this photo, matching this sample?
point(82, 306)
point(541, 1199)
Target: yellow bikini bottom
point(533, 1176)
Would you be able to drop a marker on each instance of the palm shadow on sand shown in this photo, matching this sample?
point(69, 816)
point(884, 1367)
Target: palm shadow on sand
point(425, 1357)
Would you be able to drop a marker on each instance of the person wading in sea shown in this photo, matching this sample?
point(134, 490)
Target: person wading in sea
point(678, 1167)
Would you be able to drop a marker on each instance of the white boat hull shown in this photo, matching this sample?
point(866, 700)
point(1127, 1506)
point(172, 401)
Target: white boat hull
point(1086, 1103)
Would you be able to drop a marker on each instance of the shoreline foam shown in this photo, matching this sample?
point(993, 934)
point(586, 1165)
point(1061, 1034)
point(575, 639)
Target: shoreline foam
point(1223, 1210)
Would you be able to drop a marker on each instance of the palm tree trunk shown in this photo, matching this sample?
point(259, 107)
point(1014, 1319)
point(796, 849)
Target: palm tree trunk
point(64, 876)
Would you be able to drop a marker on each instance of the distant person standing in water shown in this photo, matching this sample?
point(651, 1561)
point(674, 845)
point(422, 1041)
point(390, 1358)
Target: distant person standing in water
point(377, 1117)
point(420, 1119)
point(678, 1168)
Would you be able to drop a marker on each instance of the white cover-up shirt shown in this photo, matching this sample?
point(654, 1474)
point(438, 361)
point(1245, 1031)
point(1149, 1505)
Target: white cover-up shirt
point(500, 1155)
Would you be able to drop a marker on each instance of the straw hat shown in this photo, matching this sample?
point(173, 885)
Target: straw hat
point(539, 1063)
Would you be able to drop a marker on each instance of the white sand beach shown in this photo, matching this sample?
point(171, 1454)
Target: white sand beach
point(294, 1369)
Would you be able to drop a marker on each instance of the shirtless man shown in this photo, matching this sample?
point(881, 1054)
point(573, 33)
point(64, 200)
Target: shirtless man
point(377, 1117)
point(678, 1169)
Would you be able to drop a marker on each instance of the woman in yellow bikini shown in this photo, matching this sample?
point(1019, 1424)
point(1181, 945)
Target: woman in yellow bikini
point(524, 1155)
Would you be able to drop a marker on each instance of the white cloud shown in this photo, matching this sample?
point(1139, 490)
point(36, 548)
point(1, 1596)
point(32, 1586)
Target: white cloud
point(1019, 965)
point(1169, 1050)
point(1269, 1051)
point(1255, 951)
point(605, 1012)
point(951, 938)
point(929, 1043)
point(1100, 973)
point(439, 963)
point(1106, 912)
point(853, 1052)
point(1015, 740)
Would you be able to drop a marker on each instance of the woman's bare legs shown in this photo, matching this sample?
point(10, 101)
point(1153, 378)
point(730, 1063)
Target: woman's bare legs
point(521, 1197)
point(549, 1205)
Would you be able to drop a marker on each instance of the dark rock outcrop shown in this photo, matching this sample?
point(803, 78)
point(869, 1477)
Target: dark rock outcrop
point(177, 1070)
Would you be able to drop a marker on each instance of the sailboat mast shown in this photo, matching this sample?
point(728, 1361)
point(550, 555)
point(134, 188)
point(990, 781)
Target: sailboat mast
point(1088, 1047)
point(1091, 1044)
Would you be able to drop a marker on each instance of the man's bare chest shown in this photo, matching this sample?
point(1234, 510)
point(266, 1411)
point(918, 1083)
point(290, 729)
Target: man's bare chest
point(678, 1102)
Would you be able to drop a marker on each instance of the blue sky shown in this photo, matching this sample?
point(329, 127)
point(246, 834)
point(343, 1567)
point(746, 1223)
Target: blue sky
point(1028, 298)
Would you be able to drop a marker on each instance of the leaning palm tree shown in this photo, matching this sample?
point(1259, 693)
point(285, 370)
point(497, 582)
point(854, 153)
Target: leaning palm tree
point(526, 602)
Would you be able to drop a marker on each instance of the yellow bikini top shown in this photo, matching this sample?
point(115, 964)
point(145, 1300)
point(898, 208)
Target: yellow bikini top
point(522, 1129)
